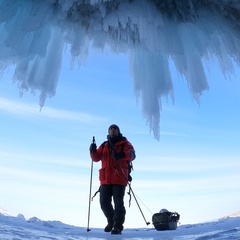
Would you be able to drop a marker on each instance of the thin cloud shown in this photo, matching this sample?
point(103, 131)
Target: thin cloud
point(25, 109)
point(200, 184)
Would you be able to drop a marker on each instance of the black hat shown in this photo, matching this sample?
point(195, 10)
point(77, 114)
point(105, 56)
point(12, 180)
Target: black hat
point(114, 126)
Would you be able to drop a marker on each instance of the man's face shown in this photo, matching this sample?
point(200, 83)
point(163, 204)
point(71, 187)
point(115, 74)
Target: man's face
point(113, 131)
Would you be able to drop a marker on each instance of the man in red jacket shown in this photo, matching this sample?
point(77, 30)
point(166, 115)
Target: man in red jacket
point(115, 153)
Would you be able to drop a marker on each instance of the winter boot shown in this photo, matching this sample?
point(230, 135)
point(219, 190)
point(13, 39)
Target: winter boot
point(117, 229)
point(109, 227)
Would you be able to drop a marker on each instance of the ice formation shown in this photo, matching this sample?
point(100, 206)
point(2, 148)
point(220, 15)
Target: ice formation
point(35, 33)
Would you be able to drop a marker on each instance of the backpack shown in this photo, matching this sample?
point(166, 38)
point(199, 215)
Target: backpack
point(130, 168)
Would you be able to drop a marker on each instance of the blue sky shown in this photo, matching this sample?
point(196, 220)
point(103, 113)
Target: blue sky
point(45, 163)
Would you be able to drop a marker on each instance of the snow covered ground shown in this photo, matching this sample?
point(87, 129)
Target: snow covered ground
point(18, 228)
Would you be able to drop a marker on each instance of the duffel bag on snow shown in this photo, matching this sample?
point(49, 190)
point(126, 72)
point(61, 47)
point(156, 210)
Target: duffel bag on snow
point(165, 220)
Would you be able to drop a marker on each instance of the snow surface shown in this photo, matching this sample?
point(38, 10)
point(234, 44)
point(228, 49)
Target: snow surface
point(17, 228)
point(34, 35)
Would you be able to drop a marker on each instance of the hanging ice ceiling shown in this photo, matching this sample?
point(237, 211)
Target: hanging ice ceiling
point(150, 31)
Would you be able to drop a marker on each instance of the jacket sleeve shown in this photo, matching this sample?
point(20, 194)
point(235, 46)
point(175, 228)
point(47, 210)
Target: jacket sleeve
point(130, 154)
point(97, 156)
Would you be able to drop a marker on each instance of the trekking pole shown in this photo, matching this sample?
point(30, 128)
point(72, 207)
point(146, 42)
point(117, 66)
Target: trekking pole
point(90, 190)
point(147, 223)
point(130, 188)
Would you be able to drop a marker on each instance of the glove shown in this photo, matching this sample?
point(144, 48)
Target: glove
point(93, 147)
point(119, 155)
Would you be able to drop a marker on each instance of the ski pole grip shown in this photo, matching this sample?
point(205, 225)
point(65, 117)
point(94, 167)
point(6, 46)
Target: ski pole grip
point(93, 139)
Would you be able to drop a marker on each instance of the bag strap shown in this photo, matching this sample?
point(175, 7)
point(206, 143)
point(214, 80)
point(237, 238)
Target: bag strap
point(96, 193)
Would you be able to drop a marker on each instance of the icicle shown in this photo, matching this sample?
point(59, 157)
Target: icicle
point(33, 35)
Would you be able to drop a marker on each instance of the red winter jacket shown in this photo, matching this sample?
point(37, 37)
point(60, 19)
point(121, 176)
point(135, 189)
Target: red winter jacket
point(111, 171)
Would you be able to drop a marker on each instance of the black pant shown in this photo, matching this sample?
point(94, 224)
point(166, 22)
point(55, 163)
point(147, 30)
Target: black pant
point(116, 214)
